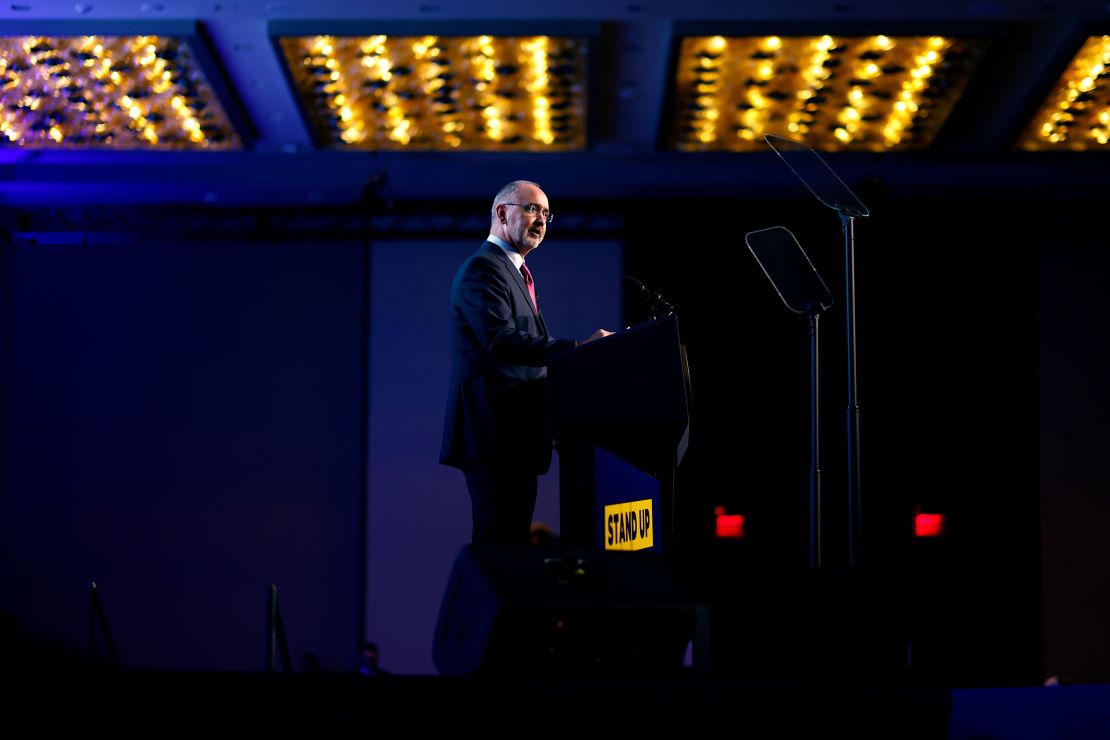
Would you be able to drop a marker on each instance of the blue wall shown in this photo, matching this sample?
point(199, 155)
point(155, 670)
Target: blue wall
point(181, 424)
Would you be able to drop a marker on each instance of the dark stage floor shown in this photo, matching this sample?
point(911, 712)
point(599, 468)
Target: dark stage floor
point(153, 704)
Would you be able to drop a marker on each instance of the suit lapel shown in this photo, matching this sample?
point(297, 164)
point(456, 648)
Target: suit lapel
point(518, 280)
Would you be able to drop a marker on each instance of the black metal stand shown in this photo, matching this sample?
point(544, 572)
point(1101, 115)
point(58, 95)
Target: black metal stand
point(855, 514)
point(275, 635)
point(814, 440)
point(803, 291)
point(96, 615)
point(831, 191)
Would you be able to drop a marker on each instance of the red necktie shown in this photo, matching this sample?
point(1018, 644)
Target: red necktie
point(530, 283)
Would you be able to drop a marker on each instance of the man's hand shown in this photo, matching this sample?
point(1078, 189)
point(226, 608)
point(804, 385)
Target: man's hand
point(596, 335)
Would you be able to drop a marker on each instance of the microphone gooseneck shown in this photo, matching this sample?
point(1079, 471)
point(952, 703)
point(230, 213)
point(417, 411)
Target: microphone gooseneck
point(654, 301)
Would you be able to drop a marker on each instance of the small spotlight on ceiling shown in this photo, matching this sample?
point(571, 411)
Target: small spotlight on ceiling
point(861, 93)
point(108, 92)
point(479, 93)
point(1076, 114)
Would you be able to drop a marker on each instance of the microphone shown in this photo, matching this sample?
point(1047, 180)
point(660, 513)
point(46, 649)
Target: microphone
point(652, 298)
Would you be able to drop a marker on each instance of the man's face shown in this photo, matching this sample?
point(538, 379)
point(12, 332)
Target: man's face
point(526, 230)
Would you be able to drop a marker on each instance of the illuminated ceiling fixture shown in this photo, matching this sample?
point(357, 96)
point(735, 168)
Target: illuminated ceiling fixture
point(478, 93)
point(835, 93)
point(107, 92)
point(1076, 114)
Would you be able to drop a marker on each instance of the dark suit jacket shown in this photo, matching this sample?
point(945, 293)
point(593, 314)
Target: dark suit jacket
point(496, 403)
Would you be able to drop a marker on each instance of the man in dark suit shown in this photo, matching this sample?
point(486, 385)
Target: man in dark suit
point(495, 429)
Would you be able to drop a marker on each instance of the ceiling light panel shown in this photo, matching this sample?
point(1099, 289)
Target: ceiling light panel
point(1076, 114)
point(834, 93)
point(108, 92)
point(441, 93)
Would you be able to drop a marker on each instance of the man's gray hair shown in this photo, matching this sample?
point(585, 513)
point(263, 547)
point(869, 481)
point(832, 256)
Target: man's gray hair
point(506, 194)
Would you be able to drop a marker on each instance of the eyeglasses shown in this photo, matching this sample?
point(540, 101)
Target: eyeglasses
point(533, 209)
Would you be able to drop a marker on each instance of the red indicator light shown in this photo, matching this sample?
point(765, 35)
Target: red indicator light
point(730, 526)
point(928, 525)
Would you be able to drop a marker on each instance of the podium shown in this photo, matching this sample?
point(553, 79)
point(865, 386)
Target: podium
point(618, 408)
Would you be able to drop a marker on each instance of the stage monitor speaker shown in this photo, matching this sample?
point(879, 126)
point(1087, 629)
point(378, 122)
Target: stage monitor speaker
point(551, 610)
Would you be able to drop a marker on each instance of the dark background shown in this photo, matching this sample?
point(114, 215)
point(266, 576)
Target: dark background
point(222, 371)
point(183, 423)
